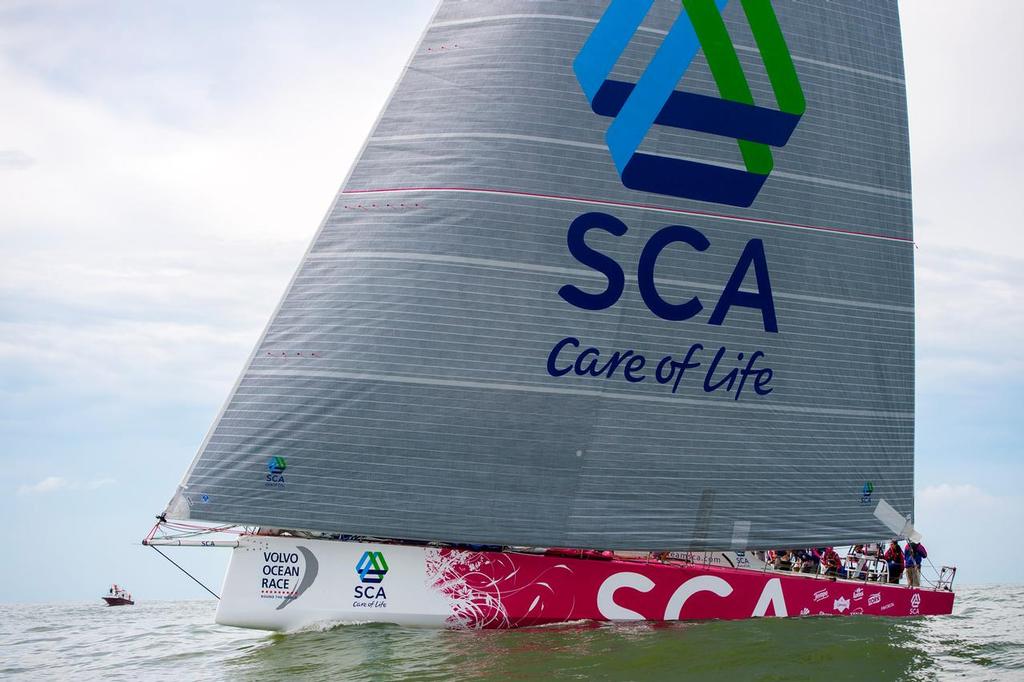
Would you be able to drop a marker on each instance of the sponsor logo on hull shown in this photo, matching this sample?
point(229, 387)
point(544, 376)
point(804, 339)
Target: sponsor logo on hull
point(371, 569)
point(915, 604)
point(286, 575)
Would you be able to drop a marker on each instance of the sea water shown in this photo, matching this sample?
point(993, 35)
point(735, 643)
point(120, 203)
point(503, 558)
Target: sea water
point(982, 640)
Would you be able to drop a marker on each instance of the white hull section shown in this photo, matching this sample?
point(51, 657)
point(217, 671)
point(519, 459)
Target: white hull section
point(276, 583)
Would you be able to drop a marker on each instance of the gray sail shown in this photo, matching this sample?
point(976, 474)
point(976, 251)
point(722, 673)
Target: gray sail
point(606, 274)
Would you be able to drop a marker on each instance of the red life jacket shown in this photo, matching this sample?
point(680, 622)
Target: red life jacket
point(894, 555)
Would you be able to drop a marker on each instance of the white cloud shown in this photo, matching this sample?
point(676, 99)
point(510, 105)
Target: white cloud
point(957, 496)
point(964, 122)
point(970, 314)
point(47, 485)
point(15, 159)
point(161, 202)
point(961, 522)
point(53, 484)
point(970, 267)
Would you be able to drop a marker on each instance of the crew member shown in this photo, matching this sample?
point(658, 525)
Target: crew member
point(894, 558)
point(831, 561)
point(913, 556)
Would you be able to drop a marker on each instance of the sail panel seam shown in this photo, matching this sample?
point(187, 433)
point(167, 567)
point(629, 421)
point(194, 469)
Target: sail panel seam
point(659, 32)
point(492, 263)
point(626, 204)
point(830, 182)
point(503, 386)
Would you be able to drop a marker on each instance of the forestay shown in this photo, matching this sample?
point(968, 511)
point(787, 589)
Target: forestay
point(611, 275)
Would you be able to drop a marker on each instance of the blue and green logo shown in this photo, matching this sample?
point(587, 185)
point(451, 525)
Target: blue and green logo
point(275, 472)
point(372, 567)
point(653, 100)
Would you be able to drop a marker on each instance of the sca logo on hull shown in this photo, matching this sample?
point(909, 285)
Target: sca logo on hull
point(275, 472)
point(371, 569)
point(653, 100)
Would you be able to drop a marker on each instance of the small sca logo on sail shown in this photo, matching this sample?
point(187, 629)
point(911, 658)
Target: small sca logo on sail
point(653, 100)
point(371, 569)
point(275, 475)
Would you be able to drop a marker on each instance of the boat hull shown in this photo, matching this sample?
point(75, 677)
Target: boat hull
point(278, 583)
point(118, 601)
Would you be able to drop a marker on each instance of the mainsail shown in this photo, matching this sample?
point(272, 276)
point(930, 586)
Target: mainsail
point(632, 274)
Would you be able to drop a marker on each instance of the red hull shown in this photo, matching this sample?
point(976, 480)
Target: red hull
point(118, 601)
point(496, 590)
point(286, 583)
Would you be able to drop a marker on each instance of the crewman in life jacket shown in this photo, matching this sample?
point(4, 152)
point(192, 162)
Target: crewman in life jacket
point(810, 560)
point(894, 557)
point(831, 561)
point(913, 556)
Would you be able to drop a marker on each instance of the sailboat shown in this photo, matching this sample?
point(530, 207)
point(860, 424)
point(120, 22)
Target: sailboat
point(616, 300)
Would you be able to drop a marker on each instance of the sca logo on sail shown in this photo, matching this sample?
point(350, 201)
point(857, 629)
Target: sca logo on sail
point(653, 100)
point(275, 472)
point(371, 569)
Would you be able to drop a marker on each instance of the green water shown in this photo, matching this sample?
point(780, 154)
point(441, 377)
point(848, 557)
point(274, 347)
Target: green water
point(983, 640)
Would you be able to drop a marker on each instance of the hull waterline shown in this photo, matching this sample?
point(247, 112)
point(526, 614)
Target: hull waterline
point(279, 583)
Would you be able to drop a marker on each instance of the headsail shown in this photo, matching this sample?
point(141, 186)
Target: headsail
point(607, 274)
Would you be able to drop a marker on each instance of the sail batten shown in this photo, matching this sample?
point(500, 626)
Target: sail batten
point(512, 329)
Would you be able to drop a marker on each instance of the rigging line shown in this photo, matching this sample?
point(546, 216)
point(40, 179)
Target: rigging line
point(186, 572)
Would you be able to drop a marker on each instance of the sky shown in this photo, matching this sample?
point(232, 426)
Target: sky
point(164, 165)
